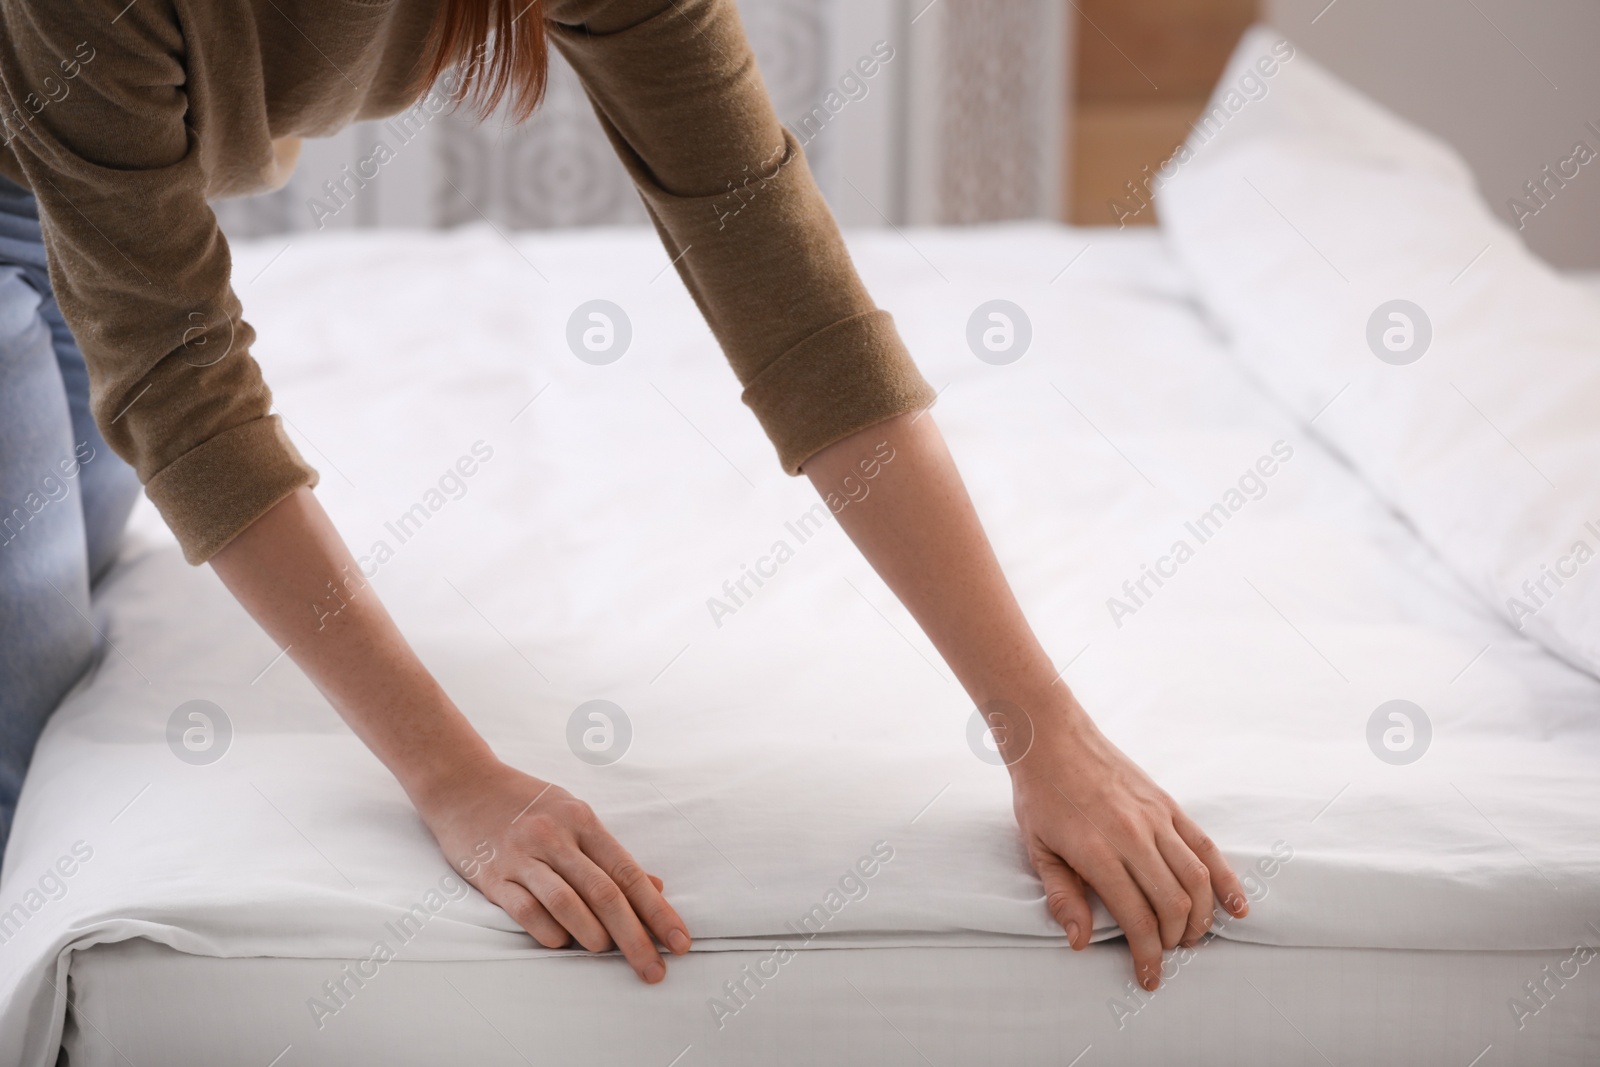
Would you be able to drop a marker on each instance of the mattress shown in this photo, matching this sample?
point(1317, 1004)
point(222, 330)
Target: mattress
point(1232, 1003)
point(773, 746)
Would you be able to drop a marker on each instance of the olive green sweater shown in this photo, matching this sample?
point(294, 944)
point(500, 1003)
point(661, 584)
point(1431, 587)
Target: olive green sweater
point(125, 118)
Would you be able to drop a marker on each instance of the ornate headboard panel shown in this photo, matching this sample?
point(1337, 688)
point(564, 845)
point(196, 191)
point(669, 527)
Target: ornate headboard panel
point(960, 123)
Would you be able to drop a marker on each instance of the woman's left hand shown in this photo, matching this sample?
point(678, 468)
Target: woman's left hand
point(1092, 819)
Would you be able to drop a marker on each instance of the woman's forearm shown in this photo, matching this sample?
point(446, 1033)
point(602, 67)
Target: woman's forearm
point(292, 572)
point(1090, 818)
point(529, 846)
point(912, 519)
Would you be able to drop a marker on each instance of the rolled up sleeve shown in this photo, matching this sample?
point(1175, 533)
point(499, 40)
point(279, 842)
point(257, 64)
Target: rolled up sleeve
point(676, 88)
point(139, 266)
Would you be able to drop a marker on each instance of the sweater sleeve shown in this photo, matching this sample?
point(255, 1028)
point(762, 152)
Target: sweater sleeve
point(676, 88)
point(139, 267)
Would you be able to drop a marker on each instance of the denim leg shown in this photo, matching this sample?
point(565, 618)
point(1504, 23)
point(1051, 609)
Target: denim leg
point(107, 487)
point(46, 640)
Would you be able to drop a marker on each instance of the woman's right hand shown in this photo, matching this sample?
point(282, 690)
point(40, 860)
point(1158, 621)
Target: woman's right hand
point(541, 855)
point(529, 846)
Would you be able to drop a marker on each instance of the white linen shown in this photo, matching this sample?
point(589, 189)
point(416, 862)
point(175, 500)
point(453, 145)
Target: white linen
point(1301, 219)
point(771, 752)
point(1230, 1005)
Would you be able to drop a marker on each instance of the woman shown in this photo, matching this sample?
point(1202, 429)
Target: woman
point(123, 120)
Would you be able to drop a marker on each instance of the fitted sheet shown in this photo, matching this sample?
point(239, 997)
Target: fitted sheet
point(775, 746)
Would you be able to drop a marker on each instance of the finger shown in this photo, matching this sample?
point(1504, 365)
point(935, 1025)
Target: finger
point(658, 883)
point(1196, 881)
point(529, 914)
point(1224, 883)
point(565, 905)
point(1064, 895)
point(1161, 888)
point(643, 891)
point(610, 904)
point(1127, 904)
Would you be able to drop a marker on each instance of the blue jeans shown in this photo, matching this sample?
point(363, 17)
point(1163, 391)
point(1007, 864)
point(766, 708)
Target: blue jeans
point(64, 499)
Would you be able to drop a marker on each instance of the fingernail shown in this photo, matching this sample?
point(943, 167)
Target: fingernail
point(678, 941)
point(655, 972)
point(1150, 983)
point(1072, 934)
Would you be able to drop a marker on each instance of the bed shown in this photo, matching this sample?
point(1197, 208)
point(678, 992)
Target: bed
point(1426, 897)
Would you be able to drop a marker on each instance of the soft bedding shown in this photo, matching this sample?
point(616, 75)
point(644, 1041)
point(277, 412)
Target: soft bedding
point(1360, 275)
point(775, 747)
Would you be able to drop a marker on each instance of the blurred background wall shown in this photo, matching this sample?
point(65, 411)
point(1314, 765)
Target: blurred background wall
point(1511, 84)
point(960, 123)
point(1000, 109)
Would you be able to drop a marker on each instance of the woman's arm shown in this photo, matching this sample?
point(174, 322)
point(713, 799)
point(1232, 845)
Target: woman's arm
point(1088, 815)
point(529, 846)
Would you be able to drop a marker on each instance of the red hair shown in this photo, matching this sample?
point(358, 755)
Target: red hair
point(517, 63)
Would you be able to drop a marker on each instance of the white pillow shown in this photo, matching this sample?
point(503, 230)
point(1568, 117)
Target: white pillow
point(1305, 211)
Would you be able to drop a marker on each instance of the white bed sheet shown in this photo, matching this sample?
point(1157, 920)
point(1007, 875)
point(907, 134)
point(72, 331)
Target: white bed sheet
point(771, 752)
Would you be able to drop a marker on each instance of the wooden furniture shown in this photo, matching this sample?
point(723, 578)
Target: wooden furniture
point(1143, 71)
